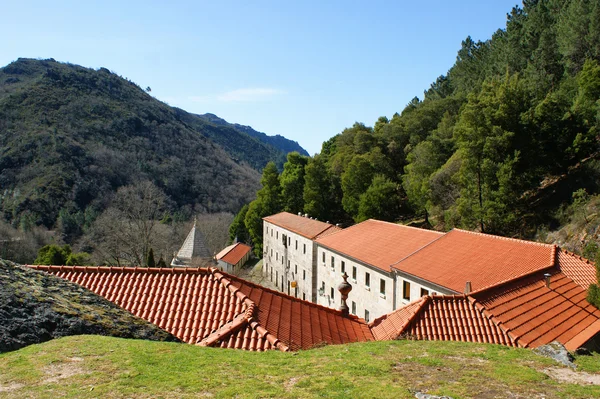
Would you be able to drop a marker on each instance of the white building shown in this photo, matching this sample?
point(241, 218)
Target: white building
point(390, 265)
point(232, 258)
point(289, 252)
point(366, 251)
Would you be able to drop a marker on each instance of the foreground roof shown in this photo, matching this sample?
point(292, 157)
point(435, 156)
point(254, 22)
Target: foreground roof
point(211, 308)
point(484, 260)
point(304, 226)
point(379, 243)
point(522, 312)
point(233, 253)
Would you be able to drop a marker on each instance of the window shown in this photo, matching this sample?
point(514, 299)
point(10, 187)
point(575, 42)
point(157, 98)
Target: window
point(332, 293)
point(277, 235)
point(382, 287)
point(353, 307)
point(332, 263)
point(303, 274)
point(367, 280)
point(289, 240)
point(271, 273)
point(282, 260)
point(406, 290)
point(296, 291)
point(289, 264)
point(343, 267)
point(304, 296)
point(271, 232)
point(322, 288)
point(296, 269)
point(276, 279)
point(296, 245)
point(354, 273)
point(304, 248)
point(271, 251)
point(424, 292)
point(323, 256)
point(276, 255)
point(366, 315)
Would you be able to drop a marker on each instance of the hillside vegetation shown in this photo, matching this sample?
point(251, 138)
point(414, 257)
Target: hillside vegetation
point(498, 144)
point(71, 136)
point(92, 367)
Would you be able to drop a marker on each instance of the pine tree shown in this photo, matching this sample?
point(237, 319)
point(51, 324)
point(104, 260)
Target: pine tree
point(150, 259)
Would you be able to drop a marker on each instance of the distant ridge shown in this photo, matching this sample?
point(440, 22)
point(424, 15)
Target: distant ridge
point(277, 141)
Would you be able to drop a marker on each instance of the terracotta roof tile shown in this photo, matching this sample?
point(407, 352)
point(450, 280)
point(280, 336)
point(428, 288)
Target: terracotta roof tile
point(441, 318)
point(536, 315)
point(306, 227)
point(378, 243)
point(484, 260)
point(233, 253)
point(211, 308)
point(577, 268)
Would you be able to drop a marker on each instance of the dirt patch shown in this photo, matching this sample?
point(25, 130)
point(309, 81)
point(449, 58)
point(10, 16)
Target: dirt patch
point(572, 377)
point(13, 386)
point(60, 371)
point(289, 384)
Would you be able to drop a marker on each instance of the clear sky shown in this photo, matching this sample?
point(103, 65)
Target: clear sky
point(303, 69)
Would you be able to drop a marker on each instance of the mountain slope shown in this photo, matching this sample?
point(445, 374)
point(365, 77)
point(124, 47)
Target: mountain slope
point(277, 141)
point(70, 136)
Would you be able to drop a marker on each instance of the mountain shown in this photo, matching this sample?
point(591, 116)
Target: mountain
point(71, 136)
point(277, 141)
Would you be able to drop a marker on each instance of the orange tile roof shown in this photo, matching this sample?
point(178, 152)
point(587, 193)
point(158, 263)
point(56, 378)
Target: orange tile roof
point(522, 312)
point(233, 253)
point(484, 260)
point(440, 318)
point(577, 268)
point(212, 308)
point(378, 243)
point(306, 227)
point(533, 314)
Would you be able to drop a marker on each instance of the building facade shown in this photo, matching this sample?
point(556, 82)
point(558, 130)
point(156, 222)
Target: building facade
point(289, 253)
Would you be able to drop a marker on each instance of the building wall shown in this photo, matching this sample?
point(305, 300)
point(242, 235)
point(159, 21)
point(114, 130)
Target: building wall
point(417, 289)
point(365, 298)
point(307, 269)
point(285, 264)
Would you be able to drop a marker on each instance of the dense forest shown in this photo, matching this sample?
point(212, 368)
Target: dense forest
point(505, 142)
point(72, 138)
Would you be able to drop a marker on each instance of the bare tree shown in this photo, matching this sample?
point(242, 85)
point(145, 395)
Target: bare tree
point(125, 232)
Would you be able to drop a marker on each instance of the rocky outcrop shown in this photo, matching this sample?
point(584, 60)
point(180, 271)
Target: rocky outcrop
point(36, 307)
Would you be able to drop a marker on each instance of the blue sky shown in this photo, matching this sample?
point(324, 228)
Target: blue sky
point(305, 70)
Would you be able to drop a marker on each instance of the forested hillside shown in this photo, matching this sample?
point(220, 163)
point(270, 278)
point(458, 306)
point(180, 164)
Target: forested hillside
point(71, 136)
point(500, 143)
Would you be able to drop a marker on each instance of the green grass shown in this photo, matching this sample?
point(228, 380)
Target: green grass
point(102, 367)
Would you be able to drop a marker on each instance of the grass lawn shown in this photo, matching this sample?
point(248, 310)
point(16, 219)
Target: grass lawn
point(102, 367)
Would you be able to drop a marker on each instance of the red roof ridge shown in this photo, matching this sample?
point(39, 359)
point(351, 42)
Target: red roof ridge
point(423, 300)
point(514, 279)
point(327, 226)
point(393, 224)
point(591, 262)
point(414, 252)
point(504, 238)
point(109, 269)
point(246, 317)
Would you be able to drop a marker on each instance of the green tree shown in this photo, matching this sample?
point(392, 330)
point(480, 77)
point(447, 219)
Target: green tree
point(593, 294)
point(292, 182)
point(355, 181)
point(53, 255)
point(267, 202)
point(380, 201)
point(237, 229)
point(150, 259)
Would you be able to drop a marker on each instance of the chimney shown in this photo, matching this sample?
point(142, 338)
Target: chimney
point(299, 213)
point(344, 288)
point(306, 215)
point(547, 277)
point(468, 287)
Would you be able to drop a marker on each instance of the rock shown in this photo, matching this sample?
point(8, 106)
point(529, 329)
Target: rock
point(558, 352)
point(421, 395)
point(36, 307)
